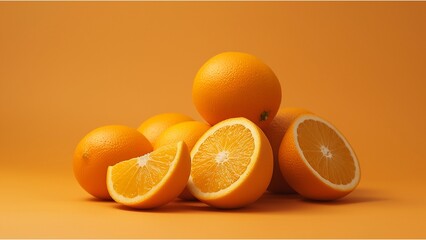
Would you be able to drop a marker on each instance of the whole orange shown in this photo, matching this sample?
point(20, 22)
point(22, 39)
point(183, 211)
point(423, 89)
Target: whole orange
point(275, 133)
point(235, 84)
point(188, 132)
point(152, 127)
point(103, 147)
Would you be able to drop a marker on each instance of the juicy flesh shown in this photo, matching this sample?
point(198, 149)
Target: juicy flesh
point(326, 152)
point(222, 158)
point(137, 176)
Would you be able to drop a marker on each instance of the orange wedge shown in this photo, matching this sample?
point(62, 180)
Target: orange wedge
point(231, 164)
point(151, 180)
point(316, 159)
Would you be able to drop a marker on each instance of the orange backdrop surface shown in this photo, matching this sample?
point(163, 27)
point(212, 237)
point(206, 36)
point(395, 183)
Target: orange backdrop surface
point(66, 68)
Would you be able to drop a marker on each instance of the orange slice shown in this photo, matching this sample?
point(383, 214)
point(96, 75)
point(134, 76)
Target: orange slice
point(316, 159)
point(151, 180)
point(231, 164)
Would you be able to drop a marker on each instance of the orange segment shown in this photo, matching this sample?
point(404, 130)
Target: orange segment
point(231, 164)
point(317, 161)
point(151, 180)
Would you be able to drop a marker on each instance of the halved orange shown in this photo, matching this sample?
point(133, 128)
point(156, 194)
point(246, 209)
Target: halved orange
point(231, 164)
point(151, 180)
point(275, 133)
point(317, 161)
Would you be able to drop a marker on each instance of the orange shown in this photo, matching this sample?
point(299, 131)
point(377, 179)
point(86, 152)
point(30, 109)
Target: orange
point(151, 180)
point(103, 147)
point(155, 125)
point(275, 133)
point(189, 132)
point(317, 161)
point(235, 84)
point(231, 164)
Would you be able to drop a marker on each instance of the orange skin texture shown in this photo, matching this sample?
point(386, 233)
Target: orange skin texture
point(188, 132)
point(155, 125)
point(234, 84)
point(103, 147)
point(275, 133)
point(299, 176)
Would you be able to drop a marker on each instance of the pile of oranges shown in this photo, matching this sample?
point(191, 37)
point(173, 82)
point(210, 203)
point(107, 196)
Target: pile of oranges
point(246, 146)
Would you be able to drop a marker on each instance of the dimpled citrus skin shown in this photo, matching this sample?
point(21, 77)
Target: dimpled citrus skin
point(152, 127)
point(189, 132)
point(235, 84)
point(275, 133)
point(103, 147)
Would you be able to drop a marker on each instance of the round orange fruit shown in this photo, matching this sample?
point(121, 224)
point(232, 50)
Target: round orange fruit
point(188, 132)
point(235, 84)
point(155, 125)
point(103, 147)
point(231, 164)
point(275, 133)
point(317, 161)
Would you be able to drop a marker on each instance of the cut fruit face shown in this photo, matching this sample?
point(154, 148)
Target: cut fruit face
point(327, 152)
point(231, 164)
point(223, 158)
point(151, 180)
point(317, 160)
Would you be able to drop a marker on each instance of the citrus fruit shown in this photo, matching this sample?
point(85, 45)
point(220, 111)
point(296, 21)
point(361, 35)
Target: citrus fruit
point(189, 132)
point(231, 164)
point(317, 161)
point(151, 180)
point(275, 133)
point(155, 125)
point(101, 148)
point(235, 84)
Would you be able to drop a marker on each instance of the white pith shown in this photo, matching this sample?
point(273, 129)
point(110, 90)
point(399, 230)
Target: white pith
point(143, 160)
point(326, 152)
point(222, 157)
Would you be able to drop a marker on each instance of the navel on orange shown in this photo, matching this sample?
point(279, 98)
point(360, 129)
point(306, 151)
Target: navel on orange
point(151, 180)
point(231, 164)
point(317, 161)
point(235, 84)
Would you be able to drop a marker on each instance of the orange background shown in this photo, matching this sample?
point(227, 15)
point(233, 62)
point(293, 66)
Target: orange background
point(66, 68)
